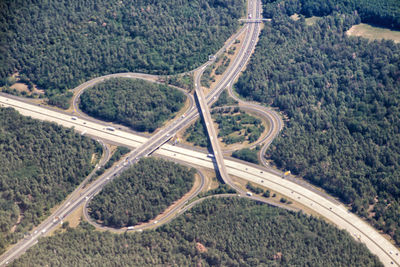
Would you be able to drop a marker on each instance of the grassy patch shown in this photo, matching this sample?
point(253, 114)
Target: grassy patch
point(374, 33)
point(234, 126)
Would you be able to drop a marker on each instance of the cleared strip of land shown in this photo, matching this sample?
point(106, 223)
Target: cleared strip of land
point(374, 33)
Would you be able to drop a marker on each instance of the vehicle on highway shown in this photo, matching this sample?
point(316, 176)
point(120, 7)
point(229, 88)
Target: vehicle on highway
point(249, 194)
point(110, 128)
point(74, 118)
point(130, 227)
point(211, 156)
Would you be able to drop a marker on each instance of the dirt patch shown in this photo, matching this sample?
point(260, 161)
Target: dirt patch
point(201, 248)
point(295, 17)
point(374, 33)
point(312, 20)
point(12, 230)
point(75, 217)
point(278, 256)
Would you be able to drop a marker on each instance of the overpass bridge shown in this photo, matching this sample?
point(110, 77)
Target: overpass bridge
point(254, 20)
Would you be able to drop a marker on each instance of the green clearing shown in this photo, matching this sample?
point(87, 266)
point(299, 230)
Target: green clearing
point(234, 126)
point(374, 33)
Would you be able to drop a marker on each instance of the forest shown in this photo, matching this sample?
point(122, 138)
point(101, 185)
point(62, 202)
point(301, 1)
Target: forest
point(216, 232)
point(60, 44)
point(140, 193)
point(247, 154)
point(342, 97)
point(139, 104)
point(384, 13)
point(40, 164)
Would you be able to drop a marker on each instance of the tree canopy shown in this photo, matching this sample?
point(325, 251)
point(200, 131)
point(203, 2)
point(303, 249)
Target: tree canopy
point(379, 12)
point(40, 163)
point(342, 97)
point(141, 192)
point(136, 103)
point(216, 232)
point(60, 44)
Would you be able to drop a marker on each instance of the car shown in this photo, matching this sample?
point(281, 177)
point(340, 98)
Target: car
point(74, 118)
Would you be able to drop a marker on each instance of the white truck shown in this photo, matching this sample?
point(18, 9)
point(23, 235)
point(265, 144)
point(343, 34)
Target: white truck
point(210, 155)
point(110, 128)
point(249, 194)
point(130, 227)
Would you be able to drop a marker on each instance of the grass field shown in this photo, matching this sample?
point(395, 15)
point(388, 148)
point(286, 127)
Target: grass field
point(374, 33)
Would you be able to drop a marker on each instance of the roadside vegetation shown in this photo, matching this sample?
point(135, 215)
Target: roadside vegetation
point(40, 163)
point(140, 193)
point(116, 156)
point(217, 68)
point(183, 81)
point(234, 126)
point(247, 154)
point(139, 104)
point(59, 44)
point(224, 100)
point(216, 232)
point(342, 98)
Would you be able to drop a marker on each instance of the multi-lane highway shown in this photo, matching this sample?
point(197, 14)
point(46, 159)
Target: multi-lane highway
point(335, 212)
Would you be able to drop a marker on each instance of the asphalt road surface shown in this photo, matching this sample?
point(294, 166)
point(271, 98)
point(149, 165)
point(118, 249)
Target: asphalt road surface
point(335, 212)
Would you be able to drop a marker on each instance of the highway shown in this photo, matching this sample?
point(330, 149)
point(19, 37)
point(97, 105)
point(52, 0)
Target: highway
point(335, 212)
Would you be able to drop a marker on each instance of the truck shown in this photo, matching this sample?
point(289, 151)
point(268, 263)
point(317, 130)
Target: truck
point(130, 227)
point(210, 155)
point(110, 128)
point(249, 194)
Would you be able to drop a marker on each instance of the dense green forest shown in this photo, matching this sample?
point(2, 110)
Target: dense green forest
point(59, 44)
point(217, 232)
point(40, 163)
point(141, 193)
point(342, 97)
point(379, 12)
point(234, 126)
point(136, 103)
point(247, 154)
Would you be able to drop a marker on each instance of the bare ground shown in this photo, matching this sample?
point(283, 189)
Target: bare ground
point(374, 33)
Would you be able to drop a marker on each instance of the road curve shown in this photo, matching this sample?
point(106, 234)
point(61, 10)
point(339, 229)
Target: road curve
point(272, 179)
point(335, 212)
point(166, 217)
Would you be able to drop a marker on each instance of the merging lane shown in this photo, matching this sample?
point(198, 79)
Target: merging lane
point(337, 213)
